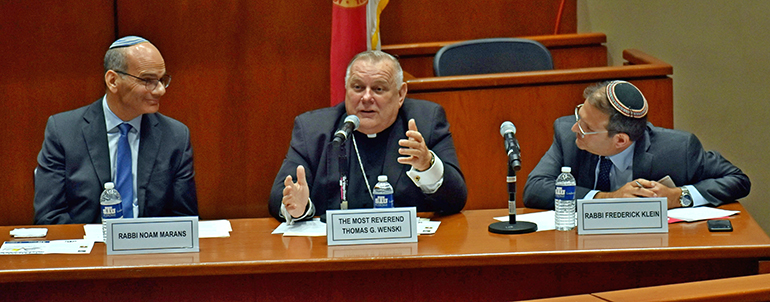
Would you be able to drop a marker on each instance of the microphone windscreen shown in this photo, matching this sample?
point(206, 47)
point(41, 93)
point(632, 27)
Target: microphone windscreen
point(353, 119)
point(506, 127)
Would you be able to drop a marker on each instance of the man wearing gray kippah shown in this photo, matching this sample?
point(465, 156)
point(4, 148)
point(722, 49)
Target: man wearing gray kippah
point(120, 138)
point(614, 152)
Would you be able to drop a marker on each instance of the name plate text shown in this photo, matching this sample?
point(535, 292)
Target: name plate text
point(622, 215)
point(152, 235)
point(371, 226)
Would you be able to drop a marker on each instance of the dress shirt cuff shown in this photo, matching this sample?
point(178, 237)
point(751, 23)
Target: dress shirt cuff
point(697, 198)
point(429, 181)
point(590, 194)
point(290, 220)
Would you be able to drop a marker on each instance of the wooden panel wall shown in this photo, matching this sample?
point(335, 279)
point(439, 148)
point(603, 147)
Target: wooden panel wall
point(413, 21)
point(241, 71)
point(51, 56)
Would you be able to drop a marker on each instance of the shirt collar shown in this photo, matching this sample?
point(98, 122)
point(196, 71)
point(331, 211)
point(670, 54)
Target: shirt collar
point(112, 121)
point(624, 159)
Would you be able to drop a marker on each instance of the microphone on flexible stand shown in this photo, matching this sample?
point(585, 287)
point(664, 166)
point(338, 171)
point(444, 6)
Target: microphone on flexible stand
point(508, 131)
point(350, 124)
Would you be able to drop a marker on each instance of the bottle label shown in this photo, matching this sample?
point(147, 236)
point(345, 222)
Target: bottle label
point(565, 192)
point(383, 201)
point(112, 211)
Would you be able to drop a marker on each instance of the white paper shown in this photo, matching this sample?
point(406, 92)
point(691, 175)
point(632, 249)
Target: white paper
point(206, 229)
point(94, 232)
point(427, 227)
point(71, 246)
point(544, 220)
point(214, 228)
point(699, 213)
point(29, 232)
point(302, 228)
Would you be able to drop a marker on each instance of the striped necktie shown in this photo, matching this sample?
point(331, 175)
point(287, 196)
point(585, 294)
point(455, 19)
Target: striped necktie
point(124, 179)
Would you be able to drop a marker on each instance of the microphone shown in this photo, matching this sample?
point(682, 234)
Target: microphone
point(351, 123)
point(508, 131)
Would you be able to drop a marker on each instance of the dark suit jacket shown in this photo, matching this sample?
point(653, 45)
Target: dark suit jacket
point(311, 147)
point(658, 153)
point(74, 164)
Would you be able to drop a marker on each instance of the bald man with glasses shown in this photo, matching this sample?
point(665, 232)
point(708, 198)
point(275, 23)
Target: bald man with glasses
point(120, 138)
point(615, 153)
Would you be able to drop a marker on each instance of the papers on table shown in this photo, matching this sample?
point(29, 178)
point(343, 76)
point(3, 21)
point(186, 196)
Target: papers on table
point(315, 228)
point(544, 220)
point(311, 228)
point(427, 227)
point(29, 232)
point(214, 228)
point(206, 229)
point(74, 246)
point(699, 213)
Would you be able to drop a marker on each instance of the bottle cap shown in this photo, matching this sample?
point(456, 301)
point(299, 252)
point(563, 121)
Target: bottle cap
point(566, 169)
point(382, 178)
point(109, 185)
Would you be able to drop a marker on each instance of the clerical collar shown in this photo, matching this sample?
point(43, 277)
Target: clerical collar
point(385, 132)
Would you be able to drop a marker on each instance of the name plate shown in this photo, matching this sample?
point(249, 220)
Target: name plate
point(622, 215)
point(152, 235)
point(371, 226)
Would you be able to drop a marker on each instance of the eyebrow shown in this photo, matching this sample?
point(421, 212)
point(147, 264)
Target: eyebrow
point(589, 127)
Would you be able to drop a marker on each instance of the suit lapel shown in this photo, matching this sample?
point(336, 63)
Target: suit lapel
point(149, 146)
point(95, 136)
point(391, 167)
point(587, 168)
point(643, 159)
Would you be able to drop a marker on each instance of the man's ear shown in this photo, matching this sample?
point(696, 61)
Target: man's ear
point(622, 141)
point(402, 94)
point(111, 80)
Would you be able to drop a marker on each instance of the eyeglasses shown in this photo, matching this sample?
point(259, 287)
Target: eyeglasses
point(150, 84)
point(577, 121)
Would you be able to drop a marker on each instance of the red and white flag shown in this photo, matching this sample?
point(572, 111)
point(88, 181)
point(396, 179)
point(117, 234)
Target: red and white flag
point(355, 28)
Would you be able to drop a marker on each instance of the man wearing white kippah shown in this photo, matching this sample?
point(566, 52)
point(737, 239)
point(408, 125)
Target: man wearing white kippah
point(614, 152)
point(120, 138)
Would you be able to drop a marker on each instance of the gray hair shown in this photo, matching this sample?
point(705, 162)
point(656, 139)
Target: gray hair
point(376, 56)
point(596, 95)
point(115, 59)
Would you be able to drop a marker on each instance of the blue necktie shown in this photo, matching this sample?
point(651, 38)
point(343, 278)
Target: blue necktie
point(603, 182)
point(124, 179)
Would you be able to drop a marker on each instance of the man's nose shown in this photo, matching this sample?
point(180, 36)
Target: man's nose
point(159, 90)
point(368, 95)
point(575, 128)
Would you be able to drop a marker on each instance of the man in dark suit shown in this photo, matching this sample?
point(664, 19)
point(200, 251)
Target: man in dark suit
point(119, 138)
point(614, 152)
point(427, 175)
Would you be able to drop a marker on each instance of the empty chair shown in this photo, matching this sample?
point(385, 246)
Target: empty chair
point(492, 55)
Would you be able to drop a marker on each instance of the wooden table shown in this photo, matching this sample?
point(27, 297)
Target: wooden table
point(462, 261)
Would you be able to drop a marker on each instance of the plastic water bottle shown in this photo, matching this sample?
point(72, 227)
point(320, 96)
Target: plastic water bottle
point(565, 200)
point(383, 193)
point(112, 206)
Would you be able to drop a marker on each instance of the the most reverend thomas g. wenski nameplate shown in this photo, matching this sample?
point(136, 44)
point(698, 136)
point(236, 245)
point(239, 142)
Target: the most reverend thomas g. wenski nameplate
point(152, 235)
point(622, 215)
point(370, 226)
